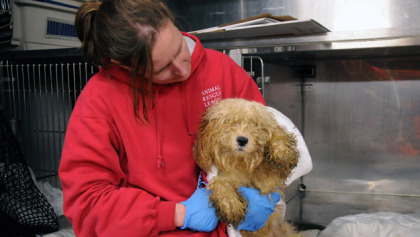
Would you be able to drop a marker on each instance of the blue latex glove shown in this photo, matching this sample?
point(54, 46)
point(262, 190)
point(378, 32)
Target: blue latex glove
point(200, 215)
point(259, 208)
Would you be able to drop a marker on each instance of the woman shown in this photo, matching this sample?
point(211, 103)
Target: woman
point(127, 167)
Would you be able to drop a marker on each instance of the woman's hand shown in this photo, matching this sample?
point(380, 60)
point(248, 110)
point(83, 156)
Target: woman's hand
point(259, 208)
point(200, 215)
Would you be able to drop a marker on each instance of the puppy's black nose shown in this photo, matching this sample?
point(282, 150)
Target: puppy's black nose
point(242, 141)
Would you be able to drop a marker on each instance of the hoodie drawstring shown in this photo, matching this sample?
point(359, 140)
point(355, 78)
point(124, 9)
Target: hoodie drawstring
point(187, 110)
point(159, 163)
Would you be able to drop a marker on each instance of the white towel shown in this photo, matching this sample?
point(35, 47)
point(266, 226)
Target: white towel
point(304, 165)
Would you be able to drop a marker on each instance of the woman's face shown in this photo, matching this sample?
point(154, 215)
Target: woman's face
point(170, 55)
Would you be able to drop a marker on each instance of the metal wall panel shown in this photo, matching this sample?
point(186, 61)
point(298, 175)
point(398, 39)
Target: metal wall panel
point(336, 15)
point(362, 128)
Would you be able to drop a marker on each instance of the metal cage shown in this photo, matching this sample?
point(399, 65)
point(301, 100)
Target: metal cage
point(38, 97)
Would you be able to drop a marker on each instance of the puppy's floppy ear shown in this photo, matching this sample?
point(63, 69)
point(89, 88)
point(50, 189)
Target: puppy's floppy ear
point(203, 146)
point(282, 151)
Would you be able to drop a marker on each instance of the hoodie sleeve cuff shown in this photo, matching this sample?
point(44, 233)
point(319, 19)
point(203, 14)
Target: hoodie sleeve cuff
point(166, 216)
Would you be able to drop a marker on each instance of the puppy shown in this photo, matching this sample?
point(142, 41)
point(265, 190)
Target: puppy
point(244, 143)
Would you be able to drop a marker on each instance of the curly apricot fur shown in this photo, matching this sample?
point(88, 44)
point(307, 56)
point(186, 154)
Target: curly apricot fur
point(264, 162)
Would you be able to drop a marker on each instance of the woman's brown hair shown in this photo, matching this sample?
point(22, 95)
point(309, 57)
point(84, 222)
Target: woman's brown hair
point(125, 31)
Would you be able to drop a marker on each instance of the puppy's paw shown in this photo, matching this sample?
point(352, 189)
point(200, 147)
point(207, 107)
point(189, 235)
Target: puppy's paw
point(232, 210)
point(230, 205)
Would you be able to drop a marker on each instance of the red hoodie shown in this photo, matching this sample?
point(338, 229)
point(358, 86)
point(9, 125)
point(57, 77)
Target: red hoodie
point(122, 178)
